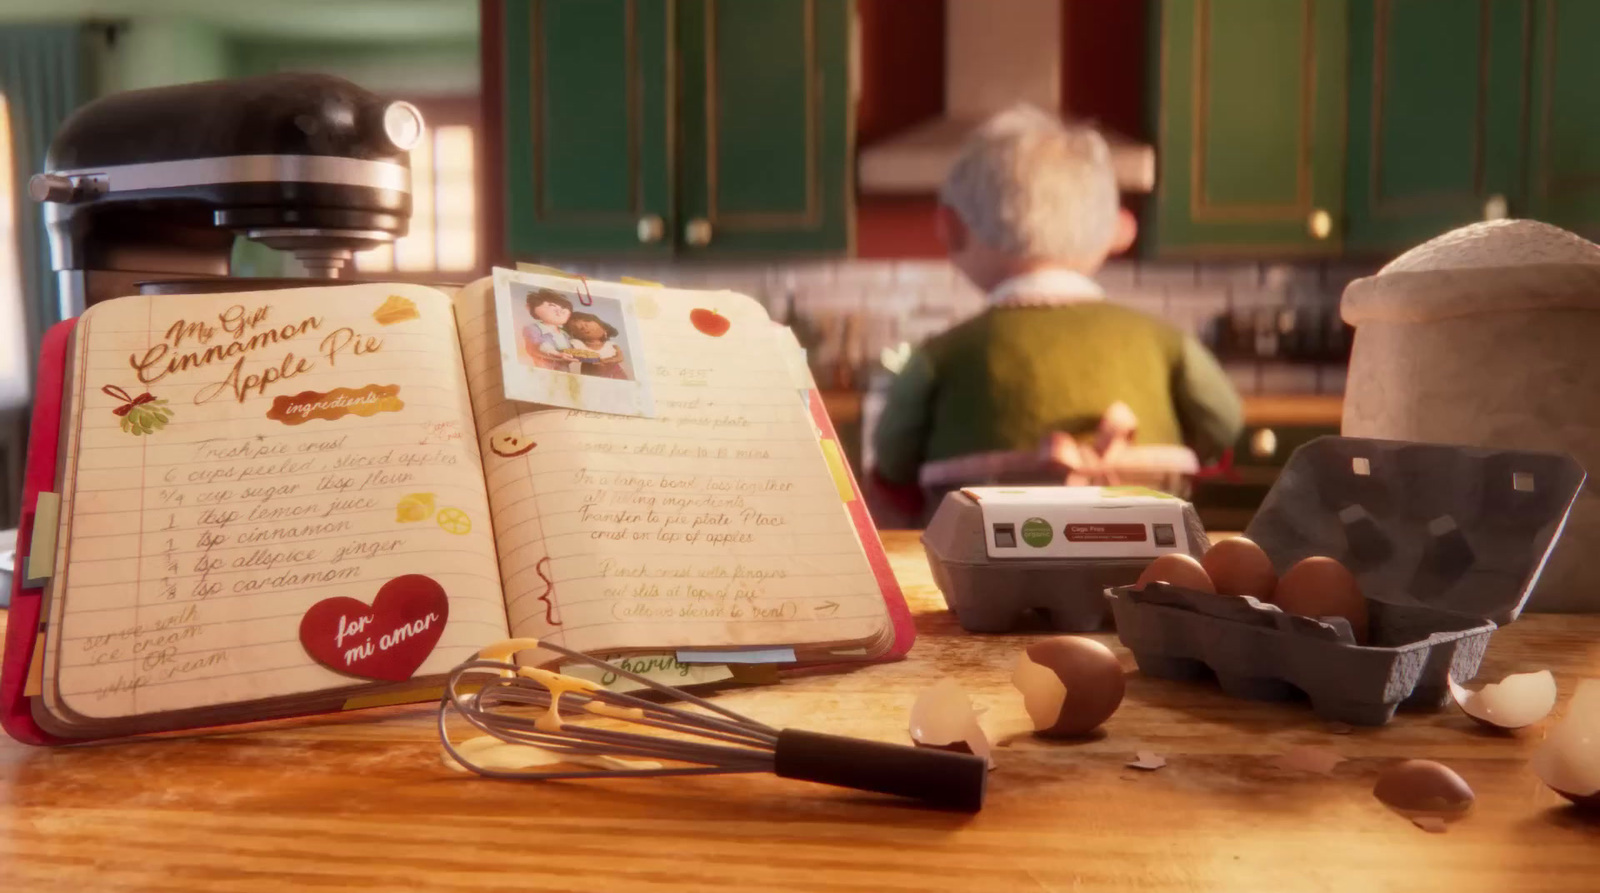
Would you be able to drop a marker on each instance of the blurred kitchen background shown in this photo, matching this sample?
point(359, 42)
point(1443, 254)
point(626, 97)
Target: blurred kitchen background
point(791, 149)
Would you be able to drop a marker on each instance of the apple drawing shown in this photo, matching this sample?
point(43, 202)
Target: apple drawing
point(709, 322)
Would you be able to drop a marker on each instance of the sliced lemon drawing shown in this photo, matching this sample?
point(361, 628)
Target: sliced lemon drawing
point(414, 507)
point(455, 521)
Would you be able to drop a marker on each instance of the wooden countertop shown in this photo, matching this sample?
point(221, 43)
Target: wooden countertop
point(1294, 409)
point(844, 407)
point(360, 800)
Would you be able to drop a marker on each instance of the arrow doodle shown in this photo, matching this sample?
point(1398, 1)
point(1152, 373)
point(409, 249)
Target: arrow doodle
point(827, 608)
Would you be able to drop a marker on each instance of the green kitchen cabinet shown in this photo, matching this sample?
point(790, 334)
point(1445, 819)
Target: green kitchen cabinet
point(1437, 101)
point(1564, 120)
point(1250, 127)
point(765, 125)
point(676, 127)
point(586, 112)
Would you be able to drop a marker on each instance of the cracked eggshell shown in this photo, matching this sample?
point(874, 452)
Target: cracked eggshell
point(1423, 786)
point(1069, 684)
point(1518, 700)
point(1569, 759)
point(942, 716)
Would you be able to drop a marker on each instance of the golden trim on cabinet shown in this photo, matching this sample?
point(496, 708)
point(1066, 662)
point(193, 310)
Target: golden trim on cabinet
point(1547, 88)
point(635, 117)
point(1547, 184)
point(1525, 64)
point(1438, 201)
point(811, 217)
point(670, 99)
point(635, 90)
point(1201, 210)
point(852, 57)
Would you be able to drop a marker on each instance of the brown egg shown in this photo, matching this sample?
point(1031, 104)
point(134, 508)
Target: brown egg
point(1239, 567)
point(1423, 786)
point(1322, 587)
point(1179, 570)
point(1069, 684)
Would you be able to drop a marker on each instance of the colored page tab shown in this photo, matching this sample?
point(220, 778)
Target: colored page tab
point(42, 551)
point(764, 656)
point(841, 474)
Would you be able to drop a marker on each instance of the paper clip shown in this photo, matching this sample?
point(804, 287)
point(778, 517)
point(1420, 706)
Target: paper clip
point(584, 297)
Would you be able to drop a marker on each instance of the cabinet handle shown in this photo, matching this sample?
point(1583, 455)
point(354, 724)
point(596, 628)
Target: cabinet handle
point(1320, 224)
point(651, 228)
point(1496, 208)
point(697, 232)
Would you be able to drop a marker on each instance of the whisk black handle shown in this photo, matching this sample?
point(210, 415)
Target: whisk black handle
point(939, 777)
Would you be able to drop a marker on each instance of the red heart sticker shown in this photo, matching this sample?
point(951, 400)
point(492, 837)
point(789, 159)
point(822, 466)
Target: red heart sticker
point(387, 640)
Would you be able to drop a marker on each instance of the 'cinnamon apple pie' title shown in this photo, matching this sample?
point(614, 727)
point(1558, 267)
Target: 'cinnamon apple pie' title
point(245, 342)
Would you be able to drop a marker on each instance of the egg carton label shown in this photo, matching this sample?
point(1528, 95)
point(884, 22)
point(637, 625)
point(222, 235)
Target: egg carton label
point(1069, 523)
point(1107, 533)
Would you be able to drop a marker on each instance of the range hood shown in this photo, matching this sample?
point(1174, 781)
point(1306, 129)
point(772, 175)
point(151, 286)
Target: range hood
point(996, 55)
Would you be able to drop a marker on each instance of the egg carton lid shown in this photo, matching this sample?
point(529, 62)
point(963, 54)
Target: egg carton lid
point(1460, 529)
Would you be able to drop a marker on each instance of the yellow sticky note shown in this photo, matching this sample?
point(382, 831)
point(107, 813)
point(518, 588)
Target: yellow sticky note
point(42, 549)
point(841, 474)
point(629, 280)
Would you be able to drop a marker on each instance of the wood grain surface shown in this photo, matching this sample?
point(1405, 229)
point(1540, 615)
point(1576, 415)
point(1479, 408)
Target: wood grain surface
point(360, 801)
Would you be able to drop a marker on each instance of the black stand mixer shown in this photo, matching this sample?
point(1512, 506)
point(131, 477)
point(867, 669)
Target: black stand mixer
point(147, 190)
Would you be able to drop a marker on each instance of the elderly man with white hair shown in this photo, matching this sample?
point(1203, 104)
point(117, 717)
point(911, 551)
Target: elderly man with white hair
point(1029, 213)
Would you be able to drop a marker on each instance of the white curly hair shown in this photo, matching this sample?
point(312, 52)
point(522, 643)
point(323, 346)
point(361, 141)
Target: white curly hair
point(1029, 185)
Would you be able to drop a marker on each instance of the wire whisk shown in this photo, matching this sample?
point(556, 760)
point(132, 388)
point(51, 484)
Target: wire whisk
point(527, 713)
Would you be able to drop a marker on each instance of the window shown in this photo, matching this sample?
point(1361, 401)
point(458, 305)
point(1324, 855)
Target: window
point(14, 349)
point(443, 237)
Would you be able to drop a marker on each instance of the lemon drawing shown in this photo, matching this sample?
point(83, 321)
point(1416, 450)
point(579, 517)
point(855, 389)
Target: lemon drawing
point(454, 521)
point(414, 507)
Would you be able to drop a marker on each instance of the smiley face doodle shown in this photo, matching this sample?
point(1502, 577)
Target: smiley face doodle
point(510, 446)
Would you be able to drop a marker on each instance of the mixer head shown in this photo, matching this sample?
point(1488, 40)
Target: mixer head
point(161, 181)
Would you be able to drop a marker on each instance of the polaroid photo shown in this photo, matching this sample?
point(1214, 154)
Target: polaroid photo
point(567, 342)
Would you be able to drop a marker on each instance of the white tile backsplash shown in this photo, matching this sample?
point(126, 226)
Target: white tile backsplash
point(914, 299)
point(1231, 275)
point(1167, 275)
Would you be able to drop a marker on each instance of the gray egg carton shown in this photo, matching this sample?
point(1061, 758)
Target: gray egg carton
point(1447, 543)
point(997, 596)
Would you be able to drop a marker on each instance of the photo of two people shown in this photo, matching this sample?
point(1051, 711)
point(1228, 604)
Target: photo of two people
point(559, 332)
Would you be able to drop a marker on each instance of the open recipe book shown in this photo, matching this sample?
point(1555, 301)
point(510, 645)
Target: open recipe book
point(261, 504)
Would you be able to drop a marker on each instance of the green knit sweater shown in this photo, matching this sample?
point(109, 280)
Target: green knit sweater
point(1003, 380)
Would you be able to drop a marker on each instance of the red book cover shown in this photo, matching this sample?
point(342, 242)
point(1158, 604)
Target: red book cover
point(22, 624)
point(905, 631)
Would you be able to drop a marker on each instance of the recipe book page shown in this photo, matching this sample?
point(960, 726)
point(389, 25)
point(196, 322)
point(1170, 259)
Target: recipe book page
point(715, 523)
point(232, 460)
